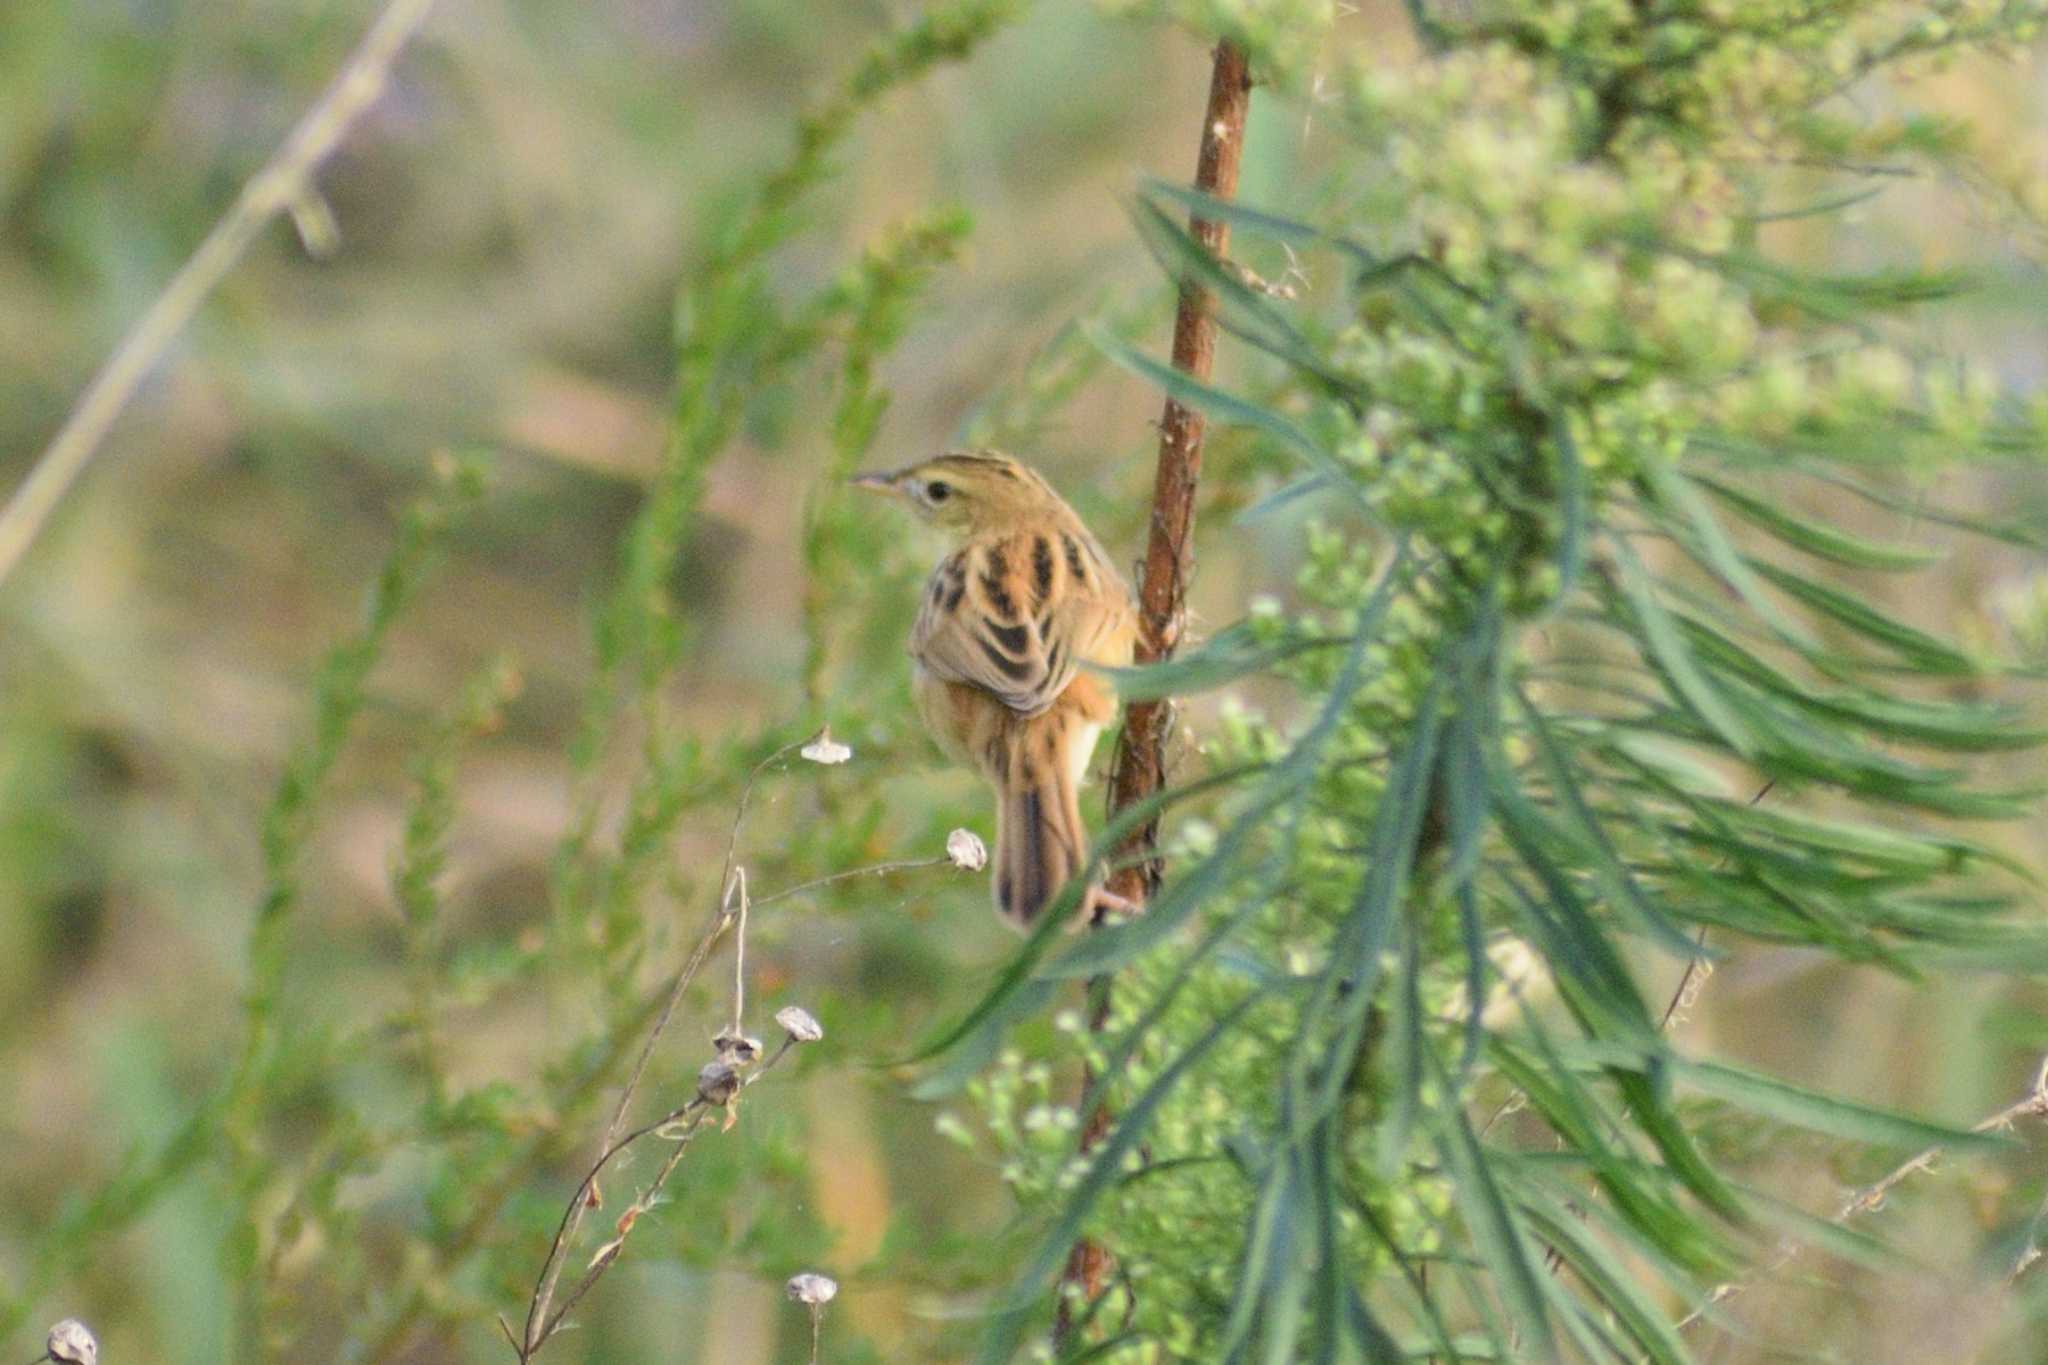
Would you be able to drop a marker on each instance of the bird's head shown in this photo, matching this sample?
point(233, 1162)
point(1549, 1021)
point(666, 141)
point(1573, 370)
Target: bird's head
point(968, 491)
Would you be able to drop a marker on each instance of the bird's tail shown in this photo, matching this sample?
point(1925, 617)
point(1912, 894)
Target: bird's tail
point(1041, 842)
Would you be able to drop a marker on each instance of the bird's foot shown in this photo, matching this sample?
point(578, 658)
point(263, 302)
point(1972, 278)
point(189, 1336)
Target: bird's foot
point(1103, 904)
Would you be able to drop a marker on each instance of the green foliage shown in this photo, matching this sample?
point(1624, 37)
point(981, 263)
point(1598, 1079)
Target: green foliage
point(1572, 693)
point(320, 1103)
point(876, 296)
point(1568, 709)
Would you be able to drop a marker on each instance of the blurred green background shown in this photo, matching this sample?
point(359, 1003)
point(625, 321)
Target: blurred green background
point(517, 214)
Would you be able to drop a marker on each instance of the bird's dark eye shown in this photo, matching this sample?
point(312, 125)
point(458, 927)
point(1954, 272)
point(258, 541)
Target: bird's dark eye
point(938, 491)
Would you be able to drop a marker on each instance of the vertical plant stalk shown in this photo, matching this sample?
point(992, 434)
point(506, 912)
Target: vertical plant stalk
point(283, 185)
point(1138, 771)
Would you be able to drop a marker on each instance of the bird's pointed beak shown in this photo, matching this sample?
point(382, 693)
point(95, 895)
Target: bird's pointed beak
point(875, 481)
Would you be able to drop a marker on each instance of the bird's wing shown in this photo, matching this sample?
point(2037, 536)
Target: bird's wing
point(1018, 614)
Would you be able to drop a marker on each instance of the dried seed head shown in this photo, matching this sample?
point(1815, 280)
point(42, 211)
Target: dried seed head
point(71, 1342)
point(717, 1083)
point(967, 850)
point(825, 749)
point(736, 1048)
point(800, 1024)
point(811, 1288)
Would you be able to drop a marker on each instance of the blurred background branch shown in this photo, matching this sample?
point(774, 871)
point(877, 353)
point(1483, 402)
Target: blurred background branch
point(285, 184)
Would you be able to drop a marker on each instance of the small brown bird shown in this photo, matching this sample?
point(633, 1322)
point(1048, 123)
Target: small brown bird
point(1009, 622)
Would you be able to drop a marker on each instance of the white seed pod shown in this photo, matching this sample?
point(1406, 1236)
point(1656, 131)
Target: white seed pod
point(71, 1342)
point(967, 850)
point(800, 1024)
point(717, 1083)
point(825, 749)
point(811, 1288)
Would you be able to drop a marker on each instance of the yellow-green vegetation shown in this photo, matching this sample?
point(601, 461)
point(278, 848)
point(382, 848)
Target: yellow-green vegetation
point(1579, 709)
point(1619, 562)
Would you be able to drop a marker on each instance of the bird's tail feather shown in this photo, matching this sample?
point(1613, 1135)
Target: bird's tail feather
point(1041, 842)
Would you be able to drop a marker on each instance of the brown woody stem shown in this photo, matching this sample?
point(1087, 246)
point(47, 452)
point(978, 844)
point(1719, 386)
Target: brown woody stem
point(1139, 768)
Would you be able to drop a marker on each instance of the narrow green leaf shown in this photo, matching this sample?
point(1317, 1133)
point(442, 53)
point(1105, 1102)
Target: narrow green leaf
point(1583, 1122)
point(1959, 726)
point(1917, 508)
point(1216, 403)
point(1922, 651)
point(1842, 298)
point(1661, 637)
point(1564, 930)
point(1466, 802)
point(1613, 1284)
point(1266, 224)
point(1820, 207)
point(1874, 845)
point(1349, 1329)
point(1354, 966)
point(1572, 501)
point(1608, 869)
point(1247, 313)
point(1674, 493)
point(1232, 653)
point(1803, 1108)
point(1268, 1247)
point(1817, 538)
point(972, 1052)
point(1286, 496)
point(1496, 1237)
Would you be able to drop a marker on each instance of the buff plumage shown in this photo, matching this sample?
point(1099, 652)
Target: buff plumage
point(1010, 624)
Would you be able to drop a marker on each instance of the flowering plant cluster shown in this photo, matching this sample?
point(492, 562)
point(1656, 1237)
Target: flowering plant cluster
point(1550, 643)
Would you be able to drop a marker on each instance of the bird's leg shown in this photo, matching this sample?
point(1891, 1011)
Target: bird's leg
point(1103, 902)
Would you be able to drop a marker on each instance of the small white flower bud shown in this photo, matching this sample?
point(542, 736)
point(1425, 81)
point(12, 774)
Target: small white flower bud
point(800, 1024)
point(71, 1342)
point(825, 749)
point(811, 1288)
point(967, 850)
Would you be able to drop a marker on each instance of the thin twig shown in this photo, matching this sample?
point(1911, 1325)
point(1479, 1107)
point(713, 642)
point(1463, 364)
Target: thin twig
point(551, 1274)
point(721, 921)
point(1872, 1197)
point(739, 954)
point(739, 814)
point(537, 1314)
point(2031, 1252)
point(543, 1316)
point(1684, 995)
point(283, 185)
point(871, 870)
point(1697, 968)
point(1138, 771)
point(692, 1116)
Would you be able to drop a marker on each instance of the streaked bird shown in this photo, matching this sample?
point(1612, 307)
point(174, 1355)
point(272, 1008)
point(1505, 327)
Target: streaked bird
point(1012, 619)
